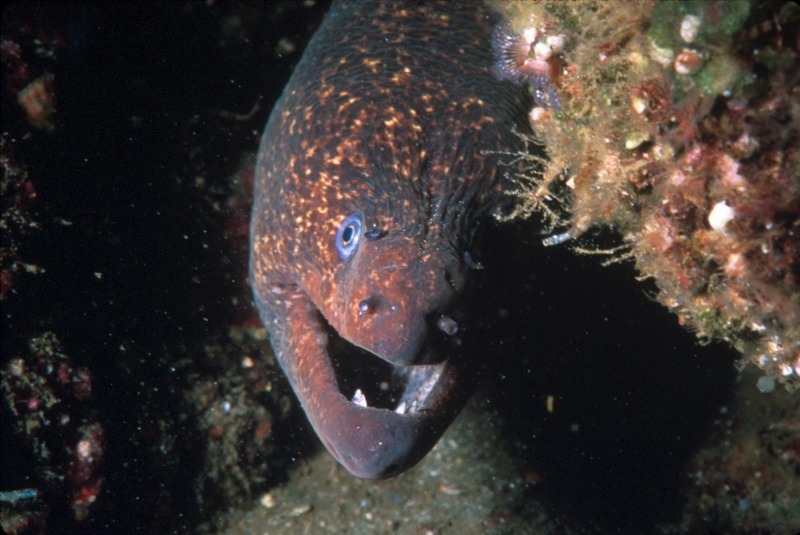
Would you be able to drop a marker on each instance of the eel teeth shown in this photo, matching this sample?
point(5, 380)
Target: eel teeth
point(402, 408)
point(359, 398)
point(421, 383)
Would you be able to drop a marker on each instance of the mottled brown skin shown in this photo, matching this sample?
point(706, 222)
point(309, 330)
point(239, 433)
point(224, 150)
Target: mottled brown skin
point(392, 114)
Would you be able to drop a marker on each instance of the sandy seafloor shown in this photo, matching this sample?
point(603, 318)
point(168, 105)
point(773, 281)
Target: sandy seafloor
point(138, 224)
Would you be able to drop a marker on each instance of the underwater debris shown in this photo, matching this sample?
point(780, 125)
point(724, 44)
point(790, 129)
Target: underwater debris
point(32, 86)
point(51, 400)
point(16, 220)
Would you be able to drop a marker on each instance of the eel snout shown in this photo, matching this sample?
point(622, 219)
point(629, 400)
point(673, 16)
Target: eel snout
point(396, 299)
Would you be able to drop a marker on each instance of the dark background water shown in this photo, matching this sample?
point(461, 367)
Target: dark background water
point(145, 270)
point(143, 265)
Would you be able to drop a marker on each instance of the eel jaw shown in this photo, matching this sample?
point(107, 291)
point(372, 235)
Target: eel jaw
point(380, 441)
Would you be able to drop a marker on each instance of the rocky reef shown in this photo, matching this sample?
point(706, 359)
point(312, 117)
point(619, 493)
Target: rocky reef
point(677, 126)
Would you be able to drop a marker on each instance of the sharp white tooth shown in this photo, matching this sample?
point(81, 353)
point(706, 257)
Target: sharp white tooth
point(359, 398)
point(401, 408)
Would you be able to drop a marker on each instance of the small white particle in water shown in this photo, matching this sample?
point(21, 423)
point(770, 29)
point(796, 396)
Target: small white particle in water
point(300, 509)
point(557, 239)
point(720, 215)
point(268, 501)
point(766, 384)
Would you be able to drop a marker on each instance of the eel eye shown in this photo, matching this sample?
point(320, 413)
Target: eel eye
point(348, 236)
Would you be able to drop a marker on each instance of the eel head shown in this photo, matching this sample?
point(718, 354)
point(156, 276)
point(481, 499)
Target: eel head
point(390, 373)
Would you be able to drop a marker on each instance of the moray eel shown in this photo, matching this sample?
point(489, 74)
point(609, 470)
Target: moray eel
point(374, 172)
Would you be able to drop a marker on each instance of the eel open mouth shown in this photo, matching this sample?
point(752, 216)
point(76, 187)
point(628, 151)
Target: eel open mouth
point(390, 416)
point(369, 381)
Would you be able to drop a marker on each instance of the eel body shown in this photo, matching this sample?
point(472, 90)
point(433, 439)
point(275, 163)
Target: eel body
point(375, 169)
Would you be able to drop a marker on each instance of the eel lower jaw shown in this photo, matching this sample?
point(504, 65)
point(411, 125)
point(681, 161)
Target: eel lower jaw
point(386, 418)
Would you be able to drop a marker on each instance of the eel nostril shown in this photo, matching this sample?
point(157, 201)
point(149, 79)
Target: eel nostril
point(447, 325)
point(376, 303)
point(369, 305)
